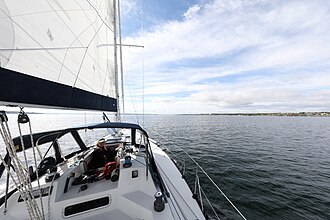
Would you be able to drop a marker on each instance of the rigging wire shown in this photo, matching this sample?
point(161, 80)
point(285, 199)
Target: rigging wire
point(133, 87)
point(178, 192)
point(131, 72)
point(142, 29)
point(198, 189)
point(210, 204)
point(212, 181)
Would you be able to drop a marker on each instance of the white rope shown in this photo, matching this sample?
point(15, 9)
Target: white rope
point(28, 184)
point(6, 138)
point(28, 180)
point(215, 185)
point(37, 173)
point(23, 193)
point(20, 183)
point(23, 184)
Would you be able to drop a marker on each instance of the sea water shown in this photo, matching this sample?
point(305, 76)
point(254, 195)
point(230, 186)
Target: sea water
point(269, 167)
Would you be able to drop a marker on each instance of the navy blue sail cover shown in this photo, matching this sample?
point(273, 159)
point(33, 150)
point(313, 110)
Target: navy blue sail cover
point(24, 90)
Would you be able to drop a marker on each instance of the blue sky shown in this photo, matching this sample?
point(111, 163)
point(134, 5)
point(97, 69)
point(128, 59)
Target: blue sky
point(227, 56)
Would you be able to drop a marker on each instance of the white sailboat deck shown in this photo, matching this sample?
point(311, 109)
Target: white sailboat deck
point(131, 197)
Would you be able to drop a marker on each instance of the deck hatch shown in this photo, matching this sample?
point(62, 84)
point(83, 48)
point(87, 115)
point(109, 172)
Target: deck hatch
point(86, 206)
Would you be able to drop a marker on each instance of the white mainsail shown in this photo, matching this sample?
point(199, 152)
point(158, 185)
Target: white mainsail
point(69, 43)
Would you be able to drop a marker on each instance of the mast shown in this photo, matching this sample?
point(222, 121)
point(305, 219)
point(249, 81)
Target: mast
point(116, 62)
point(121, 60)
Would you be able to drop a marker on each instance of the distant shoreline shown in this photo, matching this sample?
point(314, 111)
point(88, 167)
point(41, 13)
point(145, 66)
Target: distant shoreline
point(305, 114)
point(294, 114)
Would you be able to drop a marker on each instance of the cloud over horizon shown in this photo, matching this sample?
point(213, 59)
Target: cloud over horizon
point(232, 56)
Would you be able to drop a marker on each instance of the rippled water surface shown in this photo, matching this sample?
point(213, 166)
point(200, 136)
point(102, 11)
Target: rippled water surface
point(270, 167)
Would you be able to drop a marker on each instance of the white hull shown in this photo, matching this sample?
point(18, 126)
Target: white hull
point(126, 199)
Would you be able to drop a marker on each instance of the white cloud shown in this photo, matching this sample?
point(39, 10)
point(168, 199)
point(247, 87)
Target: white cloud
point(192, 11)
point(128, 7)
point(284, 42)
